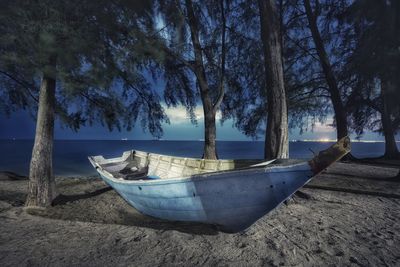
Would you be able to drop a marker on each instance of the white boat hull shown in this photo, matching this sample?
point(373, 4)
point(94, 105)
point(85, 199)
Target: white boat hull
point(232, 200)
point(232, 194)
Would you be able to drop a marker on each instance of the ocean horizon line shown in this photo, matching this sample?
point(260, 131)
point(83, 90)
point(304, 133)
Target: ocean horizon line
point(200, 140)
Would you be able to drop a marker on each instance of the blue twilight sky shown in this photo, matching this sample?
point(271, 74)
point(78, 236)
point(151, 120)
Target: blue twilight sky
point(22, 126)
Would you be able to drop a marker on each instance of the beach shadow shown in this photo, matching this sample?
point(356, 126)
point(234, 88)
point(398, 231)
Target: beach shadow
point(353, 191)
point(64, 199)
point(11, 176)
point(16, 199)
point(141, 220)
point(105, 206)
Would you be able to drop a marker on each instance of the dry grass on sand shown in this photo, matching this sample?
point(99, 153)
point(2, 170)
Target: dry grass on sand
point(90, 225)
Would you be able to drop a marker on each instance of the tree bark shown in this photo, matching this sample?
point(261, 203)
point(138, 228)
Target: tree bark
point(200, 73)
point(338, 107)
point(391, 150)
point(276, 137)
point(41, 188)
point(210, 133)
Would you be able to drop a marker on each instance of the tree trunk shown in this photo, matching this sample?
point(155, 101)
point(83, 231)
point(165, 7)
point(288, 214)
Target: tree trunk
point(338, 107)
point(276, 137)
point(41, 188)
point(199, 70)
point(210, 134)
point(391, 150)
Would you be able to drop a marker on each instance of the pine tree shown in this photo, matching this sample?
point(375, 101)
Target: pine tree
point(67, 59)
point(375, 64)
point(195, 45)
point(331, 79)
point(249, 100)
point(276, 137)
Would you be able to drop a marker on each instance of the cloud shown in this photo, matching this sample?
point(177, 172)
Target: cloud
point(179, 115)
point(325, 127)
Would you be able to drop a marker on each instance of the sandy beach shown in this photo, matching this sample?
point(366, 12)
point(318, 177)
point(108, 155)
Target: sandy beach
point(348, 216)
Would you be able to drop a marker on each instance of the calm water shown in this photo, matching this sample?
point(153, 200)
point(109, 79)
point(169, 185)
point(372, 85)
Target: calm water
point(70, 156)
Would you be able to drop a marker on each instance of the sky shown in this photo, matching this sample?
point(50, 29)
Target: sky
point(21, 125)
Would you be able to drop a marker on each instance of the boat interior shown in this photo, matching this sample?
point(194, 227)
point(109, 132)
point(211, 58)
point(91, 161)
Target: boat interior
point(138, 165)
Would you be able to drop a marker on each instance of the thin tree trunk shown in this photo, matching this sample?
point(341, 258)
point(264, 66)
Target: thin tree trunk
point(210, 129)
point(338, 107)
point(210, 132)
point(276, 137)
point(199, 70)
point(391, 150)
point(41, 188)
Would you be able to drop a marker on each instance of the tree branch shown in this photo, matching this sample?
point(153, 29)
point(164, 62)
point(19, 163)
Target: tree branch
point(302, 48)
point(172, 54)
point(27, 86)
point(223, 55)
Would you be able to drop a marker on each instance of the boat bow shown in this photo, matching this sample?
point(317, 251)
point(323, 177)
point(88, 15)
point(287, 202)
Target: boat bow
point(327, 157)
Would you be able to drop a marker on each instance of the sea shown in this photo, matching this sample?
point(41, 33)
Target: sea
point(70, 156)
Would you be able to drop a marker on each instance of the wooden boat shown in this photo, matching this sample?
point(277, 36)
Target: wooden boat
point(232, 194)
